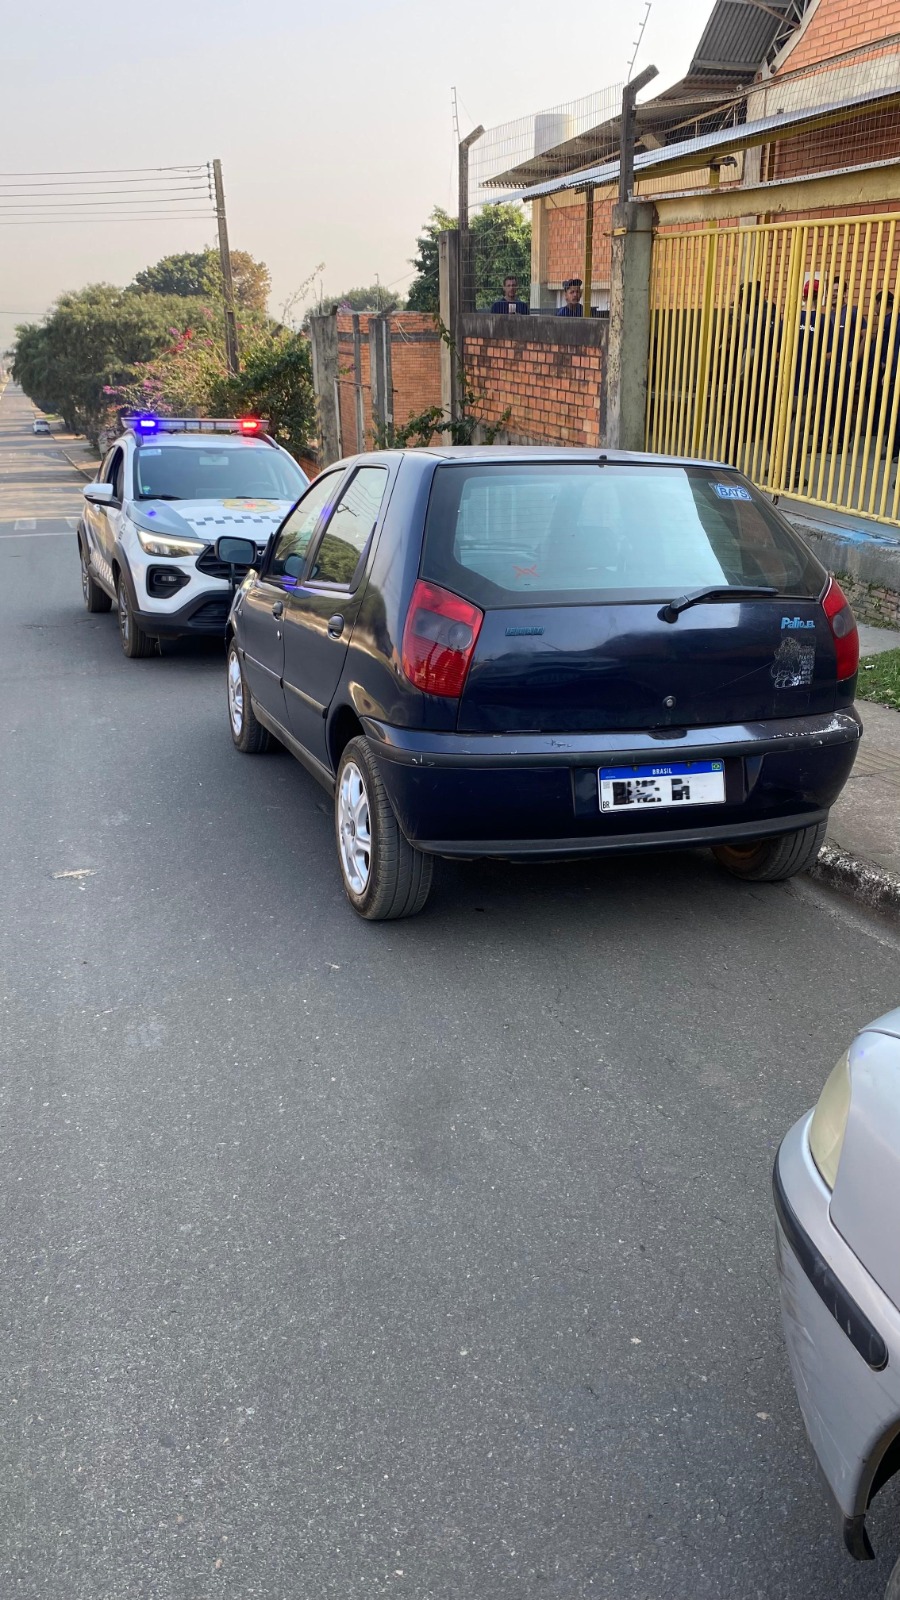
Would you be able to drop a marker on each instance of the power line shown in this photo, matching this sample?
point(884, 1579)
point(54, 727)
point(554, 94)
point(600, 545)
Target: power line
point(9, 182)
point(94, 205)
point(60, 222)
point(96, 172)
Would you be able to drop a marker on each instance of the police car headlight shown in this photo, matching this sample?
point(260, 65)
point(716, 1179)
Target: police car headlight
point(165, 544)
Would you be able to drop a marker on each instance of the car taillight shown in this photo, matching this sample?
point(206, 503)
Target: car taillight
point(842, 623)
point(439, 639)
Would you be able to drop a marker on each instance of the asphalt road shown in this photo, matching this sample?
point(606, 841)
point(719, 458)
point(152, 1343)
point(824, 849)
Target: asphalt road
point(430, 1259)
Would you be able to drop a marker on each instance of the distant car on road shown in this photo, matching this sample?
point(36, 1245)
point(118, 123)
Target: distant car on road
point(40, 425)
point(167, 488)
point(537, 653)
point(837, 1203)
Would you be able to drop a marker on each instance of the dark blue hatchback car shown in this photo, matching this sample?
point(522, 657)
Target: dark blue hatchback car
point(529, 653)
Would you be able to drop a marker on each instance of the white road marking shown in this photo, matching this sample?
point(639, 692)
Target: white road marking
point(23, 523)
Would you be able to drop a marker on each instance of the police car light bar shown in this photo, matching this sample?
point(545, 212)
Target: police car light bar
point(146, 426)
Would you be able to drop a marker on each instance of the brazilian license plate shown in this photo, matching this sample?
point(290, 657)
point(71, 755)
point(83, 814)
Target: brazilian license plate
point(665, 783)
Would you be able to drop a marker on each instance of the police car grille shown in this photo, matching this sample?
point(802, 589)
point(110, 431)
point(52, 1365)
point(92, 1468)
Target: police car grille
point(214, 568)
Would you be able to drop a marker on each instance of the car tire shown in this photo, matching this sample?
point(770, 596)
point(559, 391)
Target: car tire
point(95, 598)
point(384, 876)
point(772, 860)
point(135, 642)
point(248, 734)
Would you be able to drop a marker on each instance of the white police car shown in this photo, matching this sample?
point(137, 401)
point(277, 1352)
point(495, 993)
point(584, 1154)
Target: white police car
point(168, 488)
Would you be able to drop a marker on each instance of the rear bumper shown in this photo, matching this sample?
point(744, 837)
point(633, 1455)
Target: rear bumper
point(843, 1339)
point(537, 794)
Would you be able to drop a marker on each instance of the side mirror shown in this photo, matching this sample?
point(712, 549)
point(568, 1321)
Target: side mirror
point(236, 552)
point(99, 494)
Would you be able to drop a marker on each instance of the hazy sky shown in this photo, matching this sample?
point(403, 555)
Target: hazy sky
point(333, 123)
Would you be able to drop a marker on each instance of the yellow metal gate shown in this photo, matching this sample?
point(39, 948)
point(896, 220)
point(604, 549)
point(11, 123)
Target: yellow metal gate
point(777, 347)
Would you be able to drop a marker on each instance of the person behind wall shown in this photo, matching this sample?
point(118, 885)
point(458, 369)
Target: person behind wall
point(571, 306)
point(510, 302)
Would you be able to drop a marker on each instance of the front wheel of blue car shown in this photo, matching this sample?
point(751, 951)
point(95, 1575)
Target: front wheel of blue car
point(384, 876)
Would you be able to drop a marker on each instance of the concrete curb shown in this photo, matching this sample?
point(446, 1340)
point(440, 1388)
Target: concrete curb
point(874, 886)
point(86, 472)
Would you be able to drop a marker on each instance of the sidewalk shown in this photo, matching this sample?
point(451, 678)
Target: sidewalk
point(862, 852)
point(81, 455)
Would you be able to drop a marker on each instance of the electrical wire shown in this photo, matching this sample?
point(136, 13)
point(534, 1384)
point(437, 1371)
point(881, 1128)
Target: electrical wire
point(96, 172)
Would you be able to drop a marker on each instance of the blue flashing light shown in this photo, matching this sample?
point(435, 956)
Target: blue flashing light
point(146, 424)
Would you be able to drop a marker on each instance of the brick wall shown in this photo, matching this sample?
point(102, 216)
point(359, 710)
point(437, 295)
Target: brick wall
point(549, 374)
point(564, 253)
point(415, 371)
point(838, 25)
point(871, 602)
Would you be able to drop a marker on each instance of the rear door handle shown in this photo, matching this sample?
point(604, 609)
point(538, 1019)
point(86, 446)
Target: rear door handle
point(278, 608)
point(335, 626)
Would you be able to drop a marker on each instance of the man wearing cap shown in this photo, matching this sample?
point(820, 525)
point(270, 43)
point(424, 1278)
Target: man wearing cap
point(572, 306)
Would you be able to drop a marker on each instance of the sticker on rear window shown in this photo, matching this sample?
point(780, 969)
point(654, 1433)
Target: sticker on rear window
point(731, 491)
point(146, 452)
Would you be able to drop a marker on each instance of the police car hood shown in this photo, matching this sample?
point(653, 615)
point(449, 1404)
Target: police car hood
point(210, 519)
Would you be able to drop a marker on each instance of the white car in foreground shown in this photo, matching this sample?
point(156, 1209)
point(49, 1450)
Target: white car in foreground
point(837, 1203)
point(167, 489)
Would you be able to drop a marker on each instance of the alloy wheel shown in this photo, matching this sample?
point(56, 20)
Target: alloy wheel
point(354, 828)
point(235, 694)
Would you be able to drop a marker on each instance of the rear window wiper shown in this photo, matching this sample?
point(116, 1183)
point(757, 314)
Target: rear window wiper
point(727, 591)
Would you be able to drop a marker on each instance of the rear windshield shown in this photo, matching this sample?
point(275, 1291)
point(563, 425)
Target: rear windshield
point(216, 472)
point(554, 531)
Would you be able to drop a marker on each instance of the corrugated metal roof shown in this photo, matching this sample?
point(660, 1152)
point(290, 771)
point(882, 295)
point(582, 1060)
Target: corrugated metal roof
point(691, 154)
point(739, 35)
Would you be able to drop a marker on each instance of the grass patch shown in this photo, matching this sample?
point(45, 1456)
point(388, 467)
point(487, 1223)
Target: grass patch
point(879, 679)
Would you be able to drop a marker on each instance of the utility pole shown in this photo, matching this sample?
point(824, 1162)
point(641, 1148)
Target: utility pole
point(467, 286)
point(626, 145)
point(231, 337)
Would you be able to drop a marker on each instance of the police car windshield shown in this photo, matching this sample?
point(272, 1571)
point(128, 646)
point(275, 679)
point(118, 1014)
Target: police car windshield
point(232, 471)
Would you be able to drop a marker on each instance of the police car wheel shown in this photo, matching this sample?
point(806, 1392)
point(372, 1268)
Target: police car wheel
point(772, 860)
point(95, 598)
point(135, 642)
point(248, 734)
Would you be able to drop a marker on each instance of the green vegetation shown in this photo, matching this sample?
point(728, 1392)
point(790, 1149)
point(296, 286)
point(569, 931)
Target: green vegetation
point(879, 679)
point(160, 346)
point(198, 275)
point(501, 245)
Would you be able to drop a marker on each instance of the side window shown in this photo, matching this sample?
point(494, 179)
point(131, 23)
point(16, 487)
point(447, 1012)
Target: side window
point(115, 473)
point(350, 529)
point(293, 540)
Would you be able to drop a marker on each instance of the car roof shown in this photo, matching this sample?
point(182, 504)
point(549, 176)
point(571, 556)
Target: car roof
point(196, 441)
point(521, 455)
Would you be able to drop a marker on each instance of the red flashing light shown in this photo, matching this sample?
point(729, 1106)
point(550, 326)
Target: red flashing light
point(842, 623)
point(439, 640)
point(250, 425)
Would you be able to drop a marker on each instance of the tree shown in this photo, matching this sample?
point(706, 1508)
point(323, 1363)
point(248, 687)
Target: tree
point(275, 382)
point(93, 340)
point(500, 245)
point(424, 291)
point(198, 274)
point(375, 298)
